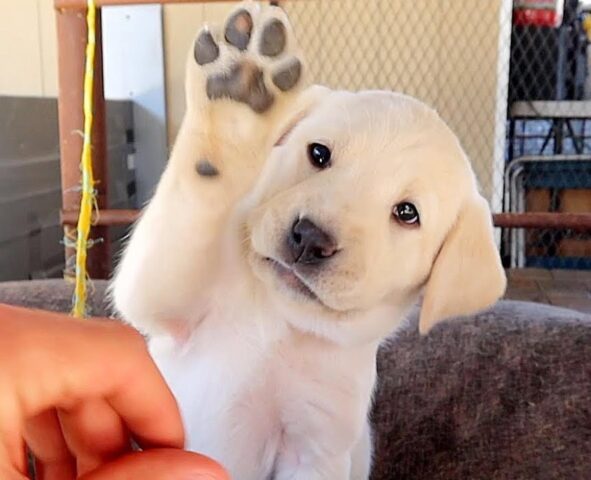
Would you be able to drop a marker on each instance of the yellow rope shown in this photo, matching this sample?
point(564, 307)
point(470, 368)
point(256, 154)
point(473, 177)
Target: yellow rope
point(88, 194)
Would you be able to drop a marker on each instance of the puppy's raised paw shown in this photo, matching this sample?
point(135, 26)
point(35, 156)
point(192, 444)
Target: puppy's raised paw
point(252, 61)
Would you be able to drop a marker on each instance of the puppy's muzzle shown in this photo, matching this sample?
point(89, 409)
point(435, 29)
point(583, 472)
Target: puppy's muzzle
point(308, 244)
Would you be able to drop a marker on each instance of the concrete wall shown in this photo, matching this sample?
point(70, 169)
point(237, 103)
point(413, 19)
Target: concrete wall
point(30, 189)
point(134, 70)
point(28, 51)
point(452, 54)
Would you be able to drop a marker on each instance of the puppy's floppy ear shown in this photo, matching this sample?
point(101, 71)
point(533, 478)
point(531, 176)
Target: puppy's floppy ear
point(288, 127)
point(306, 102)
point(467, 275)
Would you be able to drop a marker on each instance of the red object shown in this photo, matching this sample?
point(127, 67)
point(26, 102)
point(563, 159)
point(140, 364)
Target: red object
point(537, 17)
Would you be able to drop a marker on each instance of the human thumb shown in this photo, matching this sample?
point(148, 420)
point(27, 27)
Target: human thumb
point(159, 464)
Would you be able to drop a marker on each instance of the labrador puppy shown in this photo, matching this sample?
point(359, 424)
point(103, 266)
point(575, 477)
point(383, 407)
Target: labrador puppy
point(289, 235)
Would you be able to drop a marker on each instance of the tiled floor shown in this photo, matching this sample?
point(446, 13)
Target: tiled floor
point(564, 288)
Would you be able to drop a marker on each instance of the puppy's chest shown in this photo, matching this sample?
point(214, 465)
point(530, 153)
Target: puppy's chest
point(240, 383)
point(239, 365)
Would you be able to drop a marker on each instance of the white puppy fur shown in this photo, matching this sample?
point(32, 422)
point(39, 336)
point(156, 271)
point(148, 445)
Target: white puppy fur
point(272, 359)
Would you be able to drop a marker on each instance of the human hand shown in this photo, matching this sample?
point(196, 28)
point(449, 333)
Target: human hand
point(75, 392)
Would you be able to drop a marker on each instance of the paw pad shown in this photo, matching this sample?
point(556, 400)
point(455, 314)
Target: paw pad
point(244, 83)
point(273, 39)
point(206, 169)
point(239, 29)
point(244, 80)
point(206, 50)
point(288, 77)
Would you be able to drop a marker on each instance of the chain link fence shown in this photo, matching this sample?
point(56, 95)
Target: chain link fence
point(510, 78)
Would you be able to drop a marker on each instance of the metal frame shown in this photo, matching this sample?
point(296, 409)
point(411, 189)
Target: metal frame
point(515, 198)
point(72, 32)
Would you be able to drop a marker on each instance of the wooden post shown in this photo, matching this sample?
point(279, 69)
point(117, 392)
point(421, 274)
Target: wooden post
point(81, 4)
point(72, 38)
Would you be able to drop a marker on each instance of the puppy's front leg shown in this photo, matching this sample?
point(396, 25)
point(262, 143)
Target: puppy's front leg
point(242, 81)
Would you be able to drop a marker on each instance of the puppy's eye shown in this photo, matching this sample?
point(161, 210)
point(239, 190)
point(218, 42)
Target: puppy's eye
point(406, 213)
point(319, 155)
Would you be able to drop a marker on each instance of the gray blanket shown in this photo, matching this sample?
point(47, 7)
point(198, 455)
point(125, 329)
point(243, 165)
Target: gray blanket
point(503, 395)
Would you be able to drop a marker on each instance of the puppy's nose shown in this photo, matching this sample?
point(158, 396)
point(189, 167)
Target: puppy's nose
point(309, 244)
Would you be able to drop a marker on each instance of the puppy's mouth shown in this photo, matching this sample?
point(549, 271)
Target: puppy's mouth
point(291, 279)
